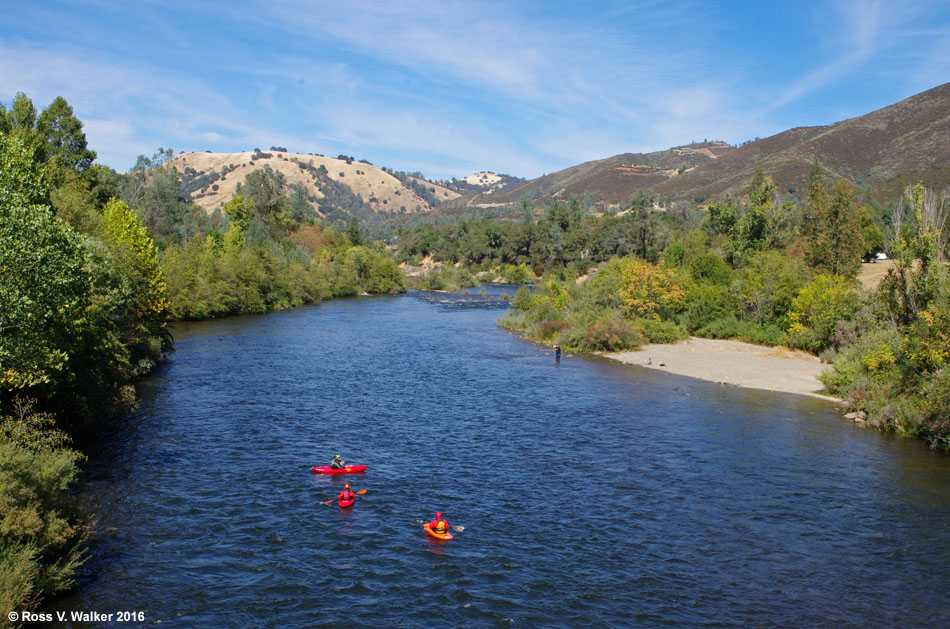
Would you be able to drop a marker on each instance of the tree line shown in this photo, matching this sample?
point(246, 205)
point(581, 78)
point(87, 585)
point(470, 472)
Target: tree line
point(82, 314)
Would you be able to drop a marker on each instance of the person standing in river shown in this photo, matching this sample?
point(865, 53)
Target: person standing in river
point(557, 352)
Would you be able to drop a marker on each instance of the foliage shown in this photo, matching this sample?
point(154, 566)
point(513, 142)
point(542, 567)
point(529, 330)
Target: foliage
point(517, 274)
point(609, 332)
point(44, 288)
point(766, 287)
point(54, 138)
point(912, 285)
point(759, 224)
point(522, 298)
point(833, 229)
point(648, 290)
point(817, 309)
point(40, 525)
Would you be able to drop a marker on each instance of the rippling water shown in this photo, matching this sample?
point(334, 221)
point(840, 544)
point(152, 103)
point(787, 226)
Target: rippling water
point(591, 492)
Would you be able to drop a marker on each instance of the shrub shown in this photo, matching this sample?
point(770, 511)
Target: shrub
point(711, 269)
point(879, 357)
point(935, 423)
point(648, 290)
point(549, 329)
point(611, 332)
point(522, 299)
point(817, 309)
point(657, 331)
point(723, 328)
point(706, 303)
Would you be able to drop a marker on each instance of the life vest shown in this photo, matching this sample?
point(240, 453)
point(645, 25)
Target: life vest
point(346, 495)
point(440, 526)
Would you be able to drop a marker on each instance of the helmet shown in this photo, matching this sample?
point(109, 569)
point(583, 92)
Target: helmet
point(336, 456)
point(438, 515)
point(346, 486)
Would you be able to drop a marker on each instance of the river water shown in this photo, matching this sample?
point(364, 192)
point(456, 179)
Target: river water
point(591, 493)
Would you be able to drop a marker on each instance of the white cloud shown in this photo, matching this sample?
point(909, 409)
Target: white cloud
point(469, 85)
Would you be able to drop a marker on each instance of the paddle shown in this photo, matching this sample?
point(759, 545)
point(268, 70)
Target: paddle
point(358, 493)
point(457, 529)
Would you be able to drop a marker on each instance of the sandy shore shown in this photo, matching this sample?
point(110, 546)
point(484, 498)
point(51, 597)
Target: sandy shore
point(734, 362)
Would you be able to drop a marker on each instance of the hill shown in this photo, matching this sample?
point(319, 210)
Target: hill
point(210, 180)
point(614, 179)
point(879, 152)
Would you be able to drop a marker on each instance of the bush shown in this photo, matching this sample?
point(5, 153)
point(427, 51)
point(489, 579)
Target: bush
point(609, 333)
point(818, 308)
point(657, 331)
point(935, 423)
point(710, 269)
point(731, 328)
point(549, 329)
point(522, 299)
point(723, 328)
point(519, 274)
point(706, 303)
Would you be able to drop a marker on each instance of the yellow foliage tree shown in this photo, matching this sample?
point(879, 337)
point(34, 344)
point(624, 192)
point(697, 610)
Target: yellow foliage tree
point(648, 290)
point(125, 231)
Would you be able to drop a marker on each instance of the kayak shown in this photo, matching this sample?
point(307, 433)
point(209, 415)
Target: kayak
point(346, 503)
point(441, 536)
point(326, 469)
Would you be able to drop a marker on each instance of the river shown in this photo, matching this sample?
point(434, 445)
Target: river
point(590, 492)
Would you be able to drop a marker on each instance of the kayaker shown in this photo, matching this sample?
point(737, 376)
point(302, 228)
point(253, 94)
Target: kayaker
point(439, 525)
point(337, 463)
point(346, 494)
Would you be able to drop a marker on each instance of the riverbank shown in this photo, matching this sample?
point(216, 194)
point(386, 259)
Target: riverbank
point(734, 362)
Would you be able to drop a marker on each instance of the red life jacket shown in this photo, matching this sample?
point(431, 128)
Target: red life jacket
point(346, 495)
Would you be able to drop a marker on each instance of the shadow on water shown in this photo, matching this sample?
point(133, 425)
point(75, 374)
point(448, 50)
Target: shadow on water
point(591, 492)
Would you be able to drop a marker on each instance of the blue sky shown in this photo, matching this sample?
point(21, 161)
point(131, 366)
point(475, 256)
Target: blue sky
point(450, 88)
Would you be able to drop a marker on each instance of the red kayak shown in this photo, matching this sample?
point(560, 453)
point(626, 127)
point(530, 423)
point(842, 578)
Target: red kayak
point(326, 469)
point(346, 503)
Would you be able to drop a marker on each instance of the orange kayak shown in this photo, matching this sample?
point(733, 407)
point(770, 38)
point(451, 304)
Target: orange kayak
point(441, 536)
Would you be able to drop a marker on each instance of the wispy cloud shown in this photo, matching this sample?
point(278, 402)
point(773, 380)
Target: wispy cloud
point(527, 87)
point(855, 32)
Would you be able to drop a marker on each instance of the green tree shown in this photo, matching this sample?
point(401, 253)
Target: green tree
point(264, 189)
point(754, 227)
point(645, 224)
point(126, 234)
point(239, 211)
point(64, 142)
point(44, 288)
point(354, 232)
point(832, 229)
point(54, 137)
